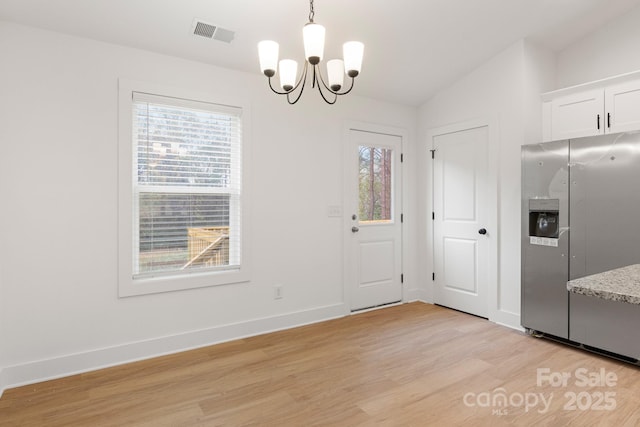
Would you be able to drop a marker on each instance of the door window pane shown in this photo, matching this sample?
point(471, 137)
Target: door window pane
point(375, 184)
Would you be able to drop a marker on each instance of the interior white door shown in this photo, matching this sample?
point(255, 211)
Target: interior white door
point(374, 242)
point(460, 215)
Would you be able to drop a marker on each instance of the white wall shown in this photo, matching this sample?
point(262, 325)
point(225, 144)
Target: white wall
point(539, 77)
point(608, 51)
point(499, 92)
point(58, 179)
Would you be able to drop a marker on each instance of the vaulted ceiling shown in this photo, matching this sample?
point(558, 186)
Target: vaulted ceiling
point(412, 47)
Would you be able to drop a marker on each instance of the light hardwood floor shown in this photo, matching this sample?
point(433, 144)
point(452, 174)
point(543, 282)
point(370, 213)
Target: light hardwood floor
point(409, 365)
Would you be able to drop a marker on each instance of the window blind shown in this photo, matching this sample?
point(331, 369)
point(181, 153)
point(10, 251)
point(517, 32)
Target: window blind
point(187, 185)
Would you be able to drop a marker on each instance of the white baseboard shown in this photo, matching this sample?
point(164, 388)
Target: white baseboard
point(500, 317)
point(505, 318)
point(517, 328)
point(48, 369)
point(417, 295)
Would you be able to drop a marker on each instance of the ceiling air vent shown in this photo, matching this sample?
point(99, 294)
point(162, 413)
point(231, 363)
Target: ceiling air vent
point(210, 31)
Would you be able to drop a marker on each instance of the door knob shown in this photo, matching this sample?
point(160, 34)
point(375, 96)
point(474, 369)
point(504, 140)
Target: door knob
point(354, 229)
point(482, 231)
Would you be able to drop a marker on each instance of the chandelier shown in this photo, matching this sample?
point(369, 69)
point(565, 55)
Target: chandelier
point(313, 37)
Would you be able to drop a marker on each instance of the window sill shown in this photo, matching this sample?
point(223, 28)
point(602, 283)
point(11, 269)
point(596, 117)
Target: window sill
point(129, 287)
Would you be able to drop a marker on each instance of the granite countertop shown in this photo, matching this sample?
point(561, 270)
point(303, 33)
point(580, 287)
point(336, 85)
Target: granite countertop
point(621, 284)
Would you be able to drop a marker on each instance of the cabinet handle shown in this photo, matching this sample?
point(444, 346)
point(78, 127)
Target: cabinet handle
point(609, 120)
point(598, 121)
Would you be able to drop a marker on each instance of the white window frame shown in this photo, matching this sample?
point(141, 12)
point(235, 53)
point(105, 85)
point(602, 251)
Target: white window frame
point(128, 284)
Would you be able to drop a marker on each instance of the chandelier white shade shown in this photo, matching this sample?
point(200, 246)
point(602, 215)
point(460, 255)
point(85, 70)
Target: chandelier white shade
point(268, 50)
point(335, 71)
point(288, 73)
point(313, 37)
point(352, 53)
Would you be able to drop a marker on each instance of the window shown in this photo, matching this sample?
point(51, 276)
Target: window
point(184, 190)
point(375, 184)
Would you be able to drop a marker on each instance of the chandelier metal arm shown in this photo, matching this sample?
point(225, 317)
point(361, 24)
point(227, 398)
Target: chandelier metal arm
point(301, 81)
point(275, 91)
point(335, 95)
point(317, 80)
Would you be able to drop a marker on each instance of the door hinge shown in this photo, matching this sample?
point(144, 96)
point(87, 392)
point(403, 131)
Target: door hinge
point(401, 157)
point(433, 154)
point(433, 215)
point(433, 276)
point(401, 217)
point(402, 278)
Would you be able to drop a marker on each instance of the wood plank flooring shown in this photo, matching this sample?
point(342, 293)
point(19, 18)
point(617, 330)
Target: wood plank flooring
point(409, 365)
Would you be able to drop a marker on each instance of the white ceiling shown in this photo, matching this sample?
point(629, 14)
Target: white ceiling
point(412, 47)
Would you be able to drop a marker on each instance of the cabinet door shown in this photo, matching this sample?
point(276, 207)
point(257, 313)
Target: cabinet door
point(622, 105)
point(576, 115)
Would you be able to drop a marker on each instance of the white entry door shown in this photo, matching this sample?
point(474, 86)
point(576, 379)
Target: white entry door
point(460, 220)
point(374, 232)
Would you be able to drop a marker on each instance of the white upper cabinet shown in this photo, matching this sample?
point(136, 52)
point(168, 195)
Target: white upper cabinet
point(605, 106)
point(576, 115)
point(622, 105)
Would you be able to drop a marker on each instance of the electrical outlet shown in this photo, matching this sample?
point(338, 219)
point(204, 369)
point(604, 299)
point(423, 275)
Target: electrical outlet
point(277, 292)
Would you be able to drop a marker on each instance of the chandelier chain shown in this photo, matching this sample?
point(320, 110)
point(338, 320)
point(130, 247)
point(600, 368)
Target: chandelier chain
point(311, 11)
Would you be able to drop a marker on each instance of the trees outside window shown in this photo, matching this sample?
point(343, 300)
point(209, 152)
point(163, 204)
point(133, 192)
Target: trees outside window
point(375, 183)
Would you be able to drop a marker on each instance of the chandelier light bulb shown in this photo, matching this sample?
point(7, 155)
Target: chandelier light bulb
point(335, 71)
point(313, 36)
point(268, 54)
point(353, 52)
point(288, 74)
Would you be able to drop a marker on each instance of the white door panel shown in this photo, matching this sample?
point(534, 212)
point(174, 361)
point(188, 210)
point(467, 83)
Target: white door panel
point(455, 253)
point(378, 257)
point(461, 253)
point(459, 185)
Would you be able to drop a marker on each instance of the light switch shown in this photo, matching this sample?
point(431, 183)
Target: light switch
point(334, 211)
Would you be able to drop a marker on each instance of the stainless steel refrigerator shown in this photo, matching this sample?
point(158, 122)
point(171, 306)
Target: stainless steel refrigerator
point(580, 216)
